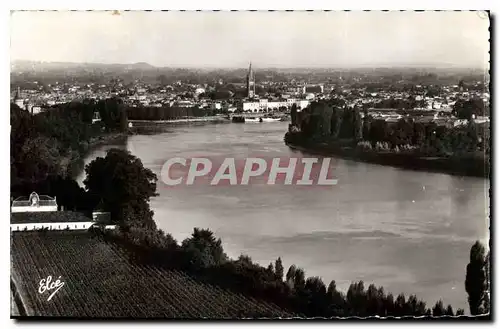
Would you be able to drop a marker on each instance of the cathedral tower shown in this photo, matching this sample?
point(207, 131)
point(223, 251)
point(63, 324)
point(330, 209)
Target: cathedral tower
point(250, 83)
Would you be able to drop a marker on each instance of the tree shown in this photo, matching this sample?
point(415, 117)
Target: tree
point(465, 109)
point(293, 114)
point(486, 302)
point(418, 134)
point(336, 122)
point(290, 275)
point(399, 305)
point(41, 157)
point(315, 296)
point(335, 299)
point(356, 298)
point(358, 126)
point(402, 133)
point(204, 250)
point(367, 120)
point(475, 280)
point(270, 268)
point(438, 309)
point(299, 279)
point(278, 267)
point(379, 131)
point(22, 128)
point(113, 114)
point(124, 186)
point(347, 127)
point(318, 120)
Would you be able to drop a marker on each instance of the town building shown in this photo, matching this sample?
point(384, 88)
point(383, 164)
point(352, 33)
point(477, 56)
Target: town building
point(315, 89)
point(264, 105)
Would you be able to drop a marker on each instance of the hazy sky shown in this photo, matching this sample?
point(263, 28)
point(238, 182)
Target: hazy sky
point(268, 39)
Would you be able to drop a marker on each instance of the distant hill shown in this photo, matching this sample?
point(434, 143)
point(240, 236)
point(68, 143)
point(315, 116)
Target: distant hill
point(35, 66)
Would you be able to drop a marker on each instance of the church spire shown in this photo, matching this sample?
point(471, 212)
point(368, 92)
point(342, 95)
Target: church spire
point(250, 82)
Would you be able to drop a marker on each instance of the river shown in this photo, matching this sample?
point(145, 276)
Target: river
point(407, 231)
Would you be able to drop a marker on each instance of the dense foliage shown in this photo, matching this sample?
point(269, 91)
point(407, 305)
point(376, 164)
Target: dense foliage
point(476, 281)
point(123, 186)
point(334, 128)
point(324, 121)
point(40, 143)
point(44, 147)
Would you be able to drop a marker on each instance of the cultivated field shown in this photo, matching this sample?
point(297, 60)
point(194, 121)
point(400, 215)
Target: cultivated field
point(100, 280)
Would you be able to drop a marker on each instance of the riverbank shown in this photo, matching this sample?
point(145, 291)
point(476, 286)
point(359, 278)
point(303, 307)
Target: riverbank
point(159, 126)
point(459, 166)
point(76, 160)
point(109, 138)
point(216, 119)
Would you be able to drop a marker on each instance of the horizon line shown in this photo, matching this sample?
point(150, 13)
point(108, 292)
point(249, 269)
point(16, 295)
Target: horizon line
point(359, 66)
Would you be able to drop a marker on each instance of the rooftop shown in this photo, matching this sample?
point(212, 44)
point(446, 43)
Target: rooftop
point(48, 217)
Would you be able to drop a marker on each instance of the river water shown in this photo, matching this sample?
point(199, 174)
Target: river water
point(407, 231)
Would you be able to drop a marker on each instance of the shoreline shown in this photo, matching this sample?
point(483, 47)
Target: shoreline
point(75, 163)
point(151, 127)
point(181, 121)
point(451, 166)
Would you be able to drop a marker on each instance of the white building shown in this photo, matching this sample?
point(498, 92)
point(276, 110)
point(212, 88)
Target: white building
point(33, 109)
point(251, 106)
point(34, 203)
point(216, 106)
point(40, 212)
point(96, 117)
point(310, 96)
point(263, 105)
point(302, 104)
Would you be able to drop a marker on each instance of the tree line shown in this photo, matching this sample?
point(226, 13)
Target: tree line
point(167, 112)
point(45, 147)
point(327, 121)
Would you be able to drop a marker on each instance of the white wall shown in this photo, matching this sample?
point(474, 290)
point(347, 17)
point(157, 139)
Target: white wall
point(33, 209)
point(51, 226)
